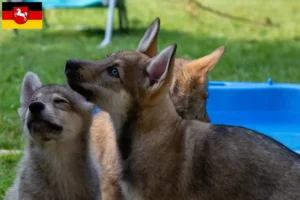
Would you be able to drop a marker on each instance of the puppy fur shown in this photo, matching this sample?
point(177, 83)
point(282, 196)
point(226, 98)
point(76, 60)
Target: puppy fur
point(188, 93)
point(166, 157)
point(57, 164)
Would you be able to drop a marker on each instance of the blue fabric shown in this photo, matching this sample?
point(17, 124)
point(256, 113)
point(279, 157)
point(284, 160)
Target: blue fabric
point(47, 4)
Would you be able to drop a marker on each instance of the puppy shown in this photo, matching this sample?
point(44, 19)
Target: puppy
point(57, 164)
point(188, 93)
point(166, 157)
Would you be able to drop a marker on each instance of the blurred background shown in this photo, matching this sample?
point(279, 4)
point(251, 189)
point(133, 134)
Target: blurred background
point(262, 40)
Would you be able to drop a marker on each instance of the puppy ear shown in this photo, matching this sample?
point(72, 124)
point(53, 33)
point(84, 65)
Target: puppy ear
point(161, 66)
point(204, 65)
point(31, 82)
point(148, 44)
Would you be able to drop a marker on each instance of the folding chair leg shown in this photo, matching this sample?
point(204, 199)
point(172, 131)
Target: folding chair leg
point(45, 22)
point(123, 20)
point(109, 24)
point(16, 31)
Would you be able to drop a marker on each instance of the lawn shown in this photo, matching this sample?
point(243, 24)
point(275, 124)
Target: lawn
point(8, 166)
point(254, 52)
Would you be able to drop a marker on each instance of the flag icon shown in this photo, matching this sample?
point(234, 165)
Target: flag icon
point(22, 15)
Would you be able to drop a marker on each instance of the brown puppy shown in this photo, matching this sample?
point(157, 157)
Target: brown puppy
point(166, 157)
point(189, 85)
point(188, 93)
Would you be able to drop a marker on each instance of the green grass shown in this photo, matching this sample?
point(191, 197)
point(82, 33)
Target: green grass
point(254, 53)
point(8, 166)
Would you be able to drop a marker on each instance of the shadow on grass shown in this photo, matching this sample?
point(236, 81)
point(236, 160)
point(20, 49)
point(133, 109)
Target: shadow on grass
point(245, 60)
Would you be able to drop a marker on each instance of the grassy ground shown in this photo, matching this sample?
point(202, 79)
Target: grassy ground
point(8, 165)
point(254, 53)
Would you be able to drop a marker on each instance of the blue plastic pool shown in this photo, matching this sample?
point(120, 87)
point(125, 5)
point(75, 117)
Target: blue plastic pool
point(270, 108)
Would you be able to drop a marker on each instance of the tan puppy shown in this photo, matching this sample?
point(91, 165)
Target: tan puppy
point(166, 157)
point(189, 85)
point(188, 93)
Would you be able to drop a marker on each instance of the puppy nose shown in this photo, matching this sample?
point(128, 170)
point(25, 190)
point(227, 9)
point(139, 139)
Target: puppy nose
point(36, 107)
point(72, 64)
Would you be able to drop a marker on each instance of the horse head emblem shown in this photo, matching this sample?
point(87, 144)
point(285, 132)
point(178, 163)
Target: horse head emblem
point(20, 15)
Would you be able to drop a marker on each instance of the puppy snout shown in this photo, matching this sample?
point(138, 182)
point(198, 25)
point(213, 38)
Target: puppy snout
point(36, 107)
point(72, 65)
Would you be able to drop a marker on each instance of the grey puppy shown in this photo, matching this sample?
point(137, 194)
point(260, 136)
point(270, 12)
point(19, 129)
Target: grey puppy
point(57, 162)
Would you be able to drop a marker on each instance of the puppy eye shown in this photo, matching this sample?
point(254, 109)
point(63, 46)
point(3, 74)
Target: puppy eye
point(113, 72)
point(58, 101)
